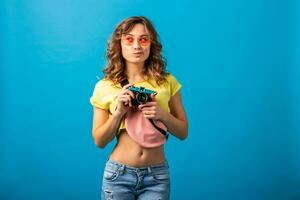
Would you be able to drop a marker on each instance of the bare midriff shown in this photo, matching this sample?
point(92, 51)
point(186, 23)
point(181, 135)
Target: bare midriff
point(130, 153)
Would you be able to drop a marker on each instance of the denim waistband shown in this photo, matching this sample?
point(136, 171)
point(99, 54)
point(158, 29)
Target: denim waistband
point(149, 168)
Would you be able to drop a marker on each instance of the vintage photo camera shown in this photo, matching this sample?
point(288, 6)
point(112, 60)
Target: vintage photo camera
point(141, 94)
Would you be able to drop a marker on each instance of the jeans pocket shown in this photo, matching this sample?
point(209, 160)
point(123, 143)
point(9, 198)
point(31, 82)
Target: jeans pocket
point(161, 177)
point(111, 174)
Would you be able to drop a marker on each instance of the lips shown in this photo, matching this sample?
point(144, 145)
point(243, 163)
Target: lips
point(137, 53)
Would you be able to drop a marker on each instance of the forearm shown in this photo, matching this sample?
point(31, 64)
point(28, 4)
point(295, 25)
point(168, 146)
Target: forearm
point(177, 127)
point(105, 133)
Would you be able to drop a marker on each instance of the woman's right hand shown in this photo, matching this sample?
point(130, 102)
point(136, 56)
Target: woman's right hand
point(124, 100)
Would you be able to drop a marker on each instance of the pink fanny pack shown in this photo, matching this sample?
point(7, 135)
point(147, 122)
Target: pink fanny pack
point(146, 132)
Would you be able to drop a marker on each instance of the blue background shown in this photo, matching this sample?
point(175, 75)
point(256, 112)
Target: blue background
point(238, 62)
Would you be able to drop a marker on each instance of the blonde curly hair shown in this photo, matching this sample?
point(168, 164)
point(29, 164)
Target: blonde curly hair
point(154, 65)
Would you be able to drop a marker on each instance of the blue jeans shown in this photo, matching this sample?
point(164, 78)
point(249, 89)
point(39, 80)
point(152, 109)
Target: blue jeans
point(122, 182)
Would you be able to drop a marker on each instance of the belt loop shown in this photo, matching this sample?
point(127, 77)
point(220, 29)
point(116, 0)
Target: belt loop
point(122, 169)
point(149, 170)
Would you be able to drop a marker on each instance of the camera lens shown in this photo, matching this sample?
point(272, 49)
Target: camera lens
point(142, 98)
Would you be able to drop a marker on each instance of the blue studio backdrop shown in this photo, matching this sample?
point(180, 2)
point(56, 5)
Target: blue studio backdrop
point(238, 62)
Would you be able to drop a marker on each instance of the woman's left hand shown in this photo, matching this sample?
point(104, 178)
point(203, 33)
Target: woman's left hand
point(152, 109)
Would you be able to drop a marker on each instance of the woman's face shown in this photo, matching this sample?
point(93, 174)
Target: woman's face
point(136, 44)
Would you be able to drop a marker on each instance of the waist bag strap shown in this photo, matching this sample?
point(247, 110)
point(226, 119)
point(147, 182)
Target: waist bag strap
point(163, 132)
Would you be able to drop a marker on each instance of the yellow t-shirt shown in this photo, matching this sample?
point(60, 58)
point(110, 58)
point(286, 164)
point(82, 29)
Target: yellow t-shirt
point(105, 94)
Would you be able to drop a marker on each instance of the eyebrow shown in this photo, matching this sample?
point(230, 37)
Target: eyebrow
point(134, 35)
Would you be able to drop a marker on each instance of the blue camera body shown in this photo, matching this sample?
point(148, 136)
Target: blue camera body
point(141, 94)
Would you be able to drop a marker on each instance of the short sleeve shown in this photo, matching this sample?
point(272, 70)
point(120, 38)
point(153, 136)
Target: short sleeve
point(101, 97)
point(174, 84)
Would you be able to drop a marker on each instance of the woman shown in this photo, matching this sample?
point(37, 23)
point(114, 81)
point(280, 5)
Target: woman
point(134, 170)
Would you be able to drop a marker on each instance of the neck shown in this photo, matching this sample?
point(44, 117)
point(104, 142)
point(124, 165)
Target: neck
point(134, 71)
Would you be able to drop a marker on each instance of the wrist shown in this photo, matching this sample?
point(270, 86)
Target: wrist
point(117, 114)
point(163, 116)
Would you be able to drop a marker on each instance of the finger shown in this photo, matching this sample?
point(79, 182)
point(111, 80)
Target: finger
point(126, 91)
point(148, 112)
point(126, 95)
point(122, 99)
point(125, 100)
point(140, 106)
point(149, 116)
point(149, 103)
point(153, 97)
point(145, 105)
point(147, 108)
point(129, 92)
point(129, 100)
point(127, 86)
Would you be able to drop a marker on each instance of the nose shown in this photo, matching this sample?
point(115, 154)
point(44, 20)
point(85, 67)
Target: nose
point(136, 44)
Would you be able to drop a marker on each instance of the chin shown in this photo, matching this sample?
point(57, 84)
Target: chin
point(137, 60)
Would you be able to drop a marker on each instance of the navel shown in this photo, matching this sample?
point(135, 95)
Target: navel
point(141, 153)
